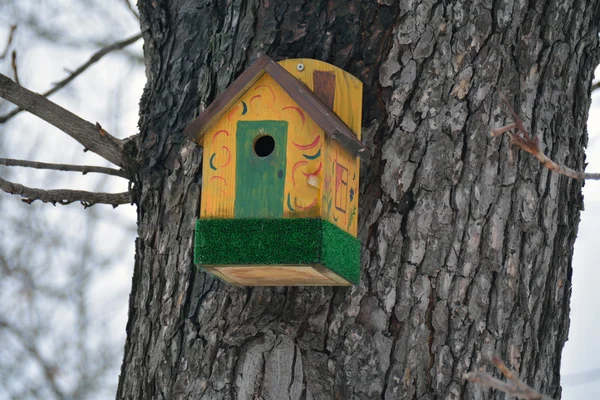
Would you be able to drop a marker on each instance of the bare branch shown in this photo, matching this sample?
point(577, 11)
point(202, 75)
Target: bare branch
point(130, 6)
point(93, 59)
point(524, 141)
point(64, 196)
point(514, 386)
point(595, 86)
point(84, 169)
point(13, 64)
point(9, 41)
point(79, 129)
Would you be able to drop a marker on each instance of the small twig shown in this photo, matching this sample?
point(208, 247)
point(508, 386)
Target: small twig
point(93, 59)
point(13, 64)
point(595, 86)
point(64, 196)
point(79, 129)
point(84, 169)
point(524, 141)
point(514, 387)
point(9, 41)
point(130, 6)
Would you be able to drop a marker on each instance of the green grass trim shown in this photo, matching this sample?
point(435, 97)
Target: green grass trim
point(277, 241)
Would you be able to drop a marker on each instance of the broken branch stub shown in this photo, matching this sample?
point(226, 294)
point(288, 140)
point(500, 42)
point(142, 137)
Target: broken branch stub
point(523, 140)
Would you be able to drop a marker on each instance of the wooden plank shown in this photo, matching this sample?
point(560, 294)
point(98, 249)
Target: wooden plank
point(340, 192)
point(218, 172)
point(324, 87)
point(260, 178)
point(277, 275)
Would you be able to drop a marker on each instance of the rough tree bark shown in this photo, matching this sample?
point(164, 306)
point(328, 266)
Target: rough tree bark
point(464, 255)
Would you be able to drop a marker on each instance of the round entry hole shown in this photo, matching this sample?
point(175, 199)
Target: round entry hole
point(264, 145)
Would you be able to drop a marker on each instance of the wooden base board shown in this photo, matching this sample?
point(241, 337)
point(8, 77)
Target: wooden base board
point(277, 275)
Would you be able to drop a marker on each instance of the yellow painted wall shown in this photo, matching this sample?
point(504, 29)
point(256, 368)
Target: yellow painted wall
point(309, 152)
point(265, 100)
point(340, 188)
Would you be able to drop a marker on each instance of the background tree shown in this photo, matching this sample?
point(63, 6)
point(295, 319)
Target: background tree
point(62, 301)
point(465, 256)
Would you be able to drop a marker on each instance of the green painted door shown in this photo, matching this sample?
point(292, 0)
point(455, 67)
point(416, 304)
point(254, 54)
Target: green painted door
point(260, 169)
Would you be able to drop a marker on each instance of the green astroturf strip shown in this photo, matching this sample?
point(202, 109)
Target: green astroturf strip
point(340, 252)
point(277, 241)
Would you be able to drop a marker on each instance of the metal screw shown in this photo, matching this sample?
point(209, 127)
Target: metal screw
point(300, 67)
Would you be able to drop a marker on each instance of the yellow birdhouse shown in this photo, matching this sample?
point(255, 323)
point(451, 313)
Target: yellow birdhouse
point(279, 198)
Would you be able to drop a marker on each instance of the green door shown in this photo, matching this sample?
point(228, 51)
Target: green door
point(260, 169)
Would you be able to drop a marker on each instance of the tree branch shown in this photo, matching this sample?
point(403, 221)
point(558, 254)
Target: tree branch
point(130, 6)
point(64, 196)
point(524, 141)
point(93, 59)
point(92, 137)
point(513, 387)
point(13, 64)
point(9, 41)
point(84, 169)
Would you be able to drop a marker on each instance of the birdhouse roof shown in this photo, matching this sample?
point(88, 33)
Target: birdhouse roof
point(298, 91)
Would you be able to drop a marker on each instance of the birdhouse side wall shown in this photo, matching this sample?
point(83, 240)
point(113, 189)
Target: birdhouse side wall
point(340, 188)
point(342, 93)
point(264, 109)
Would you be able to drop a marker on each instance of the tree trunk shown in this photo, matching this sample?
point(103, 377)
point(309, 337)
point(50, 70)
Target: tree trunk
point(464, 254)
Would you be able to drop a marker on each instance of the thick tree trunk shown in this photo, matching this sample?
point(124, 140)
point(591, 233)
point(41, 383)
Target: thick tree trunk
point(464, 254)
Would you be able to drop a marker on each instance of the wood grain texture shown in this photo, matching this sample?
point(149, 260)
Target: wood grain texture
point(280, 275)
point(324, 87)
point(465, 256)
point(260, 180)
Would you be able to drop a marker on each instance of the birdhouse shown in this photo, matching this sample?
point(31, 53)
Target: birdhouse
point(279, 198)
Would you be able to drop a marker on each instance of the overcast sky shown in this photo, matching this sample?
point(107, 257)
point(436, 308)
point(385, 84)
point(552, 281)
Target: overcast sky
point(581, 356)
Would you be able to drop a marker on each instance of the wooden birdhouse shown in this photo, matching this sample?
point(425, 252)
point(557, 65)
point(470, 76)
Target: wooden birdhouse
point(279, 197)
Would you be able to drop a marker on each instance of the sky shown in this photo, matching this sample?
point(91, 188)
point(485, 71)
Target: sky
point(581, 356)
point(109, 93)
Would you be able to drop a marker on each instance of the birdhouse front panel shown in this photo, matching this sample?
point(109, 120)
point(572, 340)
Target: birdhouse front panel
point(265, 158)
point(279, 195)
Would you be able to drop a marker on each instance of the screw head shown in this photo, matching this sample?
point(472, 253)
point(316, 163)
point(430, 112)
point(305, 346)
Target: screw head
point(300, 67)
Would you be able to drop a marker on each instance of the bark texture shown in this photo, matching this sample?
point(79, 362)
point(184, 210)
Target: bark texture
point(464, 255)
